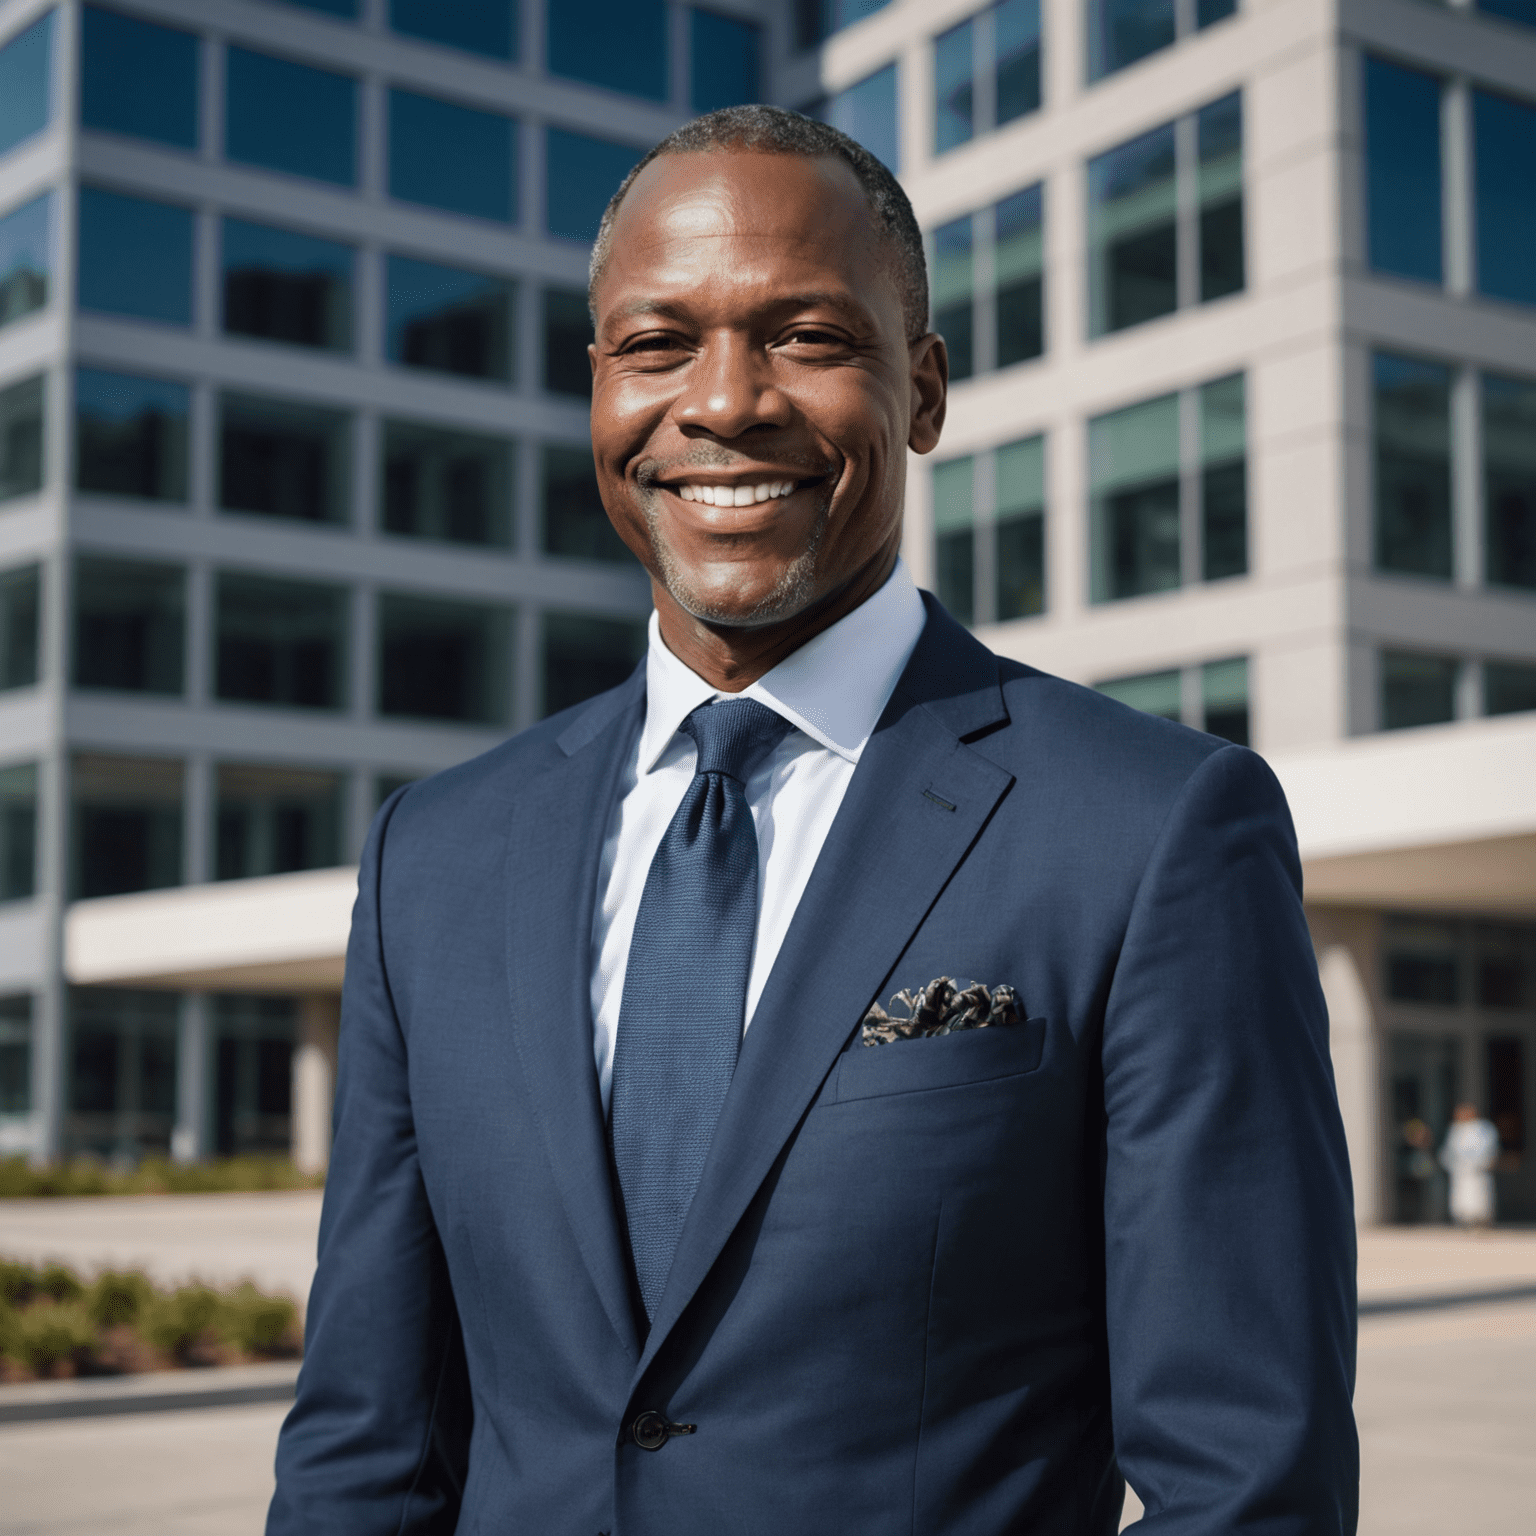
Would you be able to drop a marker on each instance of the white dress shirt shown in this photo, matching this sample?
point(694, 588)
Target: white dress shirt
point(832, 691)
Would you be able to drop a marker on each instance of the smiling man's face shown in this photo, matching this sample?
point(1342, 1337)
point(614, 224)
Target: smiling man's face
point(754, 392)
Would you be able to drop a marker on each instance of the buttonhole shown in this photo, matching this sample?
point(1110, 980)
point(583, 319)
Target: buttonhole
point(928, 794)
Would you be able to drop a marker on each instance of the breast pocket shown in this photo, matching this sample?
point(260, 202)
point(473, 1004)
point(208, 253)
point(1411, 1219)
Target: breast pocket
point(943, 1061)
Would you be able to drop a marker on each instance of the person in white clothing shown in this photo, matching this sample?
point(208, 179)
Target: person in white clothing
point(1470, 1151)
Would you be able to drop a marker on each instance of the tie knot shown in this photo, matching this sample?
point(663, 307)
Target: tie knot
point(733, 738)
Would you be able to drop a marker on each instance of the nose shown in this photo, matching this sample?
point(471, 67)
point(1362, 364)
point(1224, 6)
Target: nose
point(730, 389)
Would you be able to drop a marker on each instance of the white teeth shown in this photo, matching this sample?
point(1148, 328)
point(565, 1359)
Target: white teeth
point(735, 496)
point(743, 495)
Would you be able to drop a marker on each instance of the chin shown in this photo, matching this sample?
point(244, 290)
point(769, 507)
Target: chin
point(725, 603)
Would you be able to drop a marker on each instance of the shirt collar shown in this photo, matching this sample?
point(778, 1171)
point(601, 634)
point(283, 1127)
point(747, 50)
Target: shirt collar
point(834, 688)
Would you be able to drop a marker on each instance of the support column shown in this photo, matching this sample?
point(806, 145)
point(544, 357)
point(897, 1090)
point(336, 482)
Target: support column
point(314, 1080)
point(191, 1141)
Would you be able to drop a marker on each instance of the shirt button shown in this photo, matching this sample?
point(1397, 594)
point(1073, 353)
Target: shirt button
point(649, 1430)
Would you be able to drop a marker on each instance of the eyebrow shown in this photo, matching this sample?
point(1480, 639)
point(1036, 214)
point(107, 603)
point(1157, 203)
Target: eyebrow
point(670, 308)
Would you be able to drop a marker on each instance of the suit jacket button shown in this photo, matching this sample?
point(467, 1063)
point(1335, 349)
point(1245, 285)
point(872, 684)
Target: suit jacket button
point(649, 1430)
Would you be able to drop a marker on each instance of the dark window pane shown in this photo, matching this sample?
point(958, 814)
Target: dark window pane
point(441, 484)
point(1506, 1085)
point(20, 626)
point(449, 320)
point(1417, 690)
point(16, 1054)
point(567, 332)
point(281, 642)
point(954, 87)
point(866, 111)
point(94, 1074)
point(1018, 264)
point(618, 43)
point(1208, 11)
point(1219, 134)
point(284, 116)
point(135, 257)
point(725, 68)
point(817, 20)
point(18, 835)
point(26, 258)
point(127, 824)
point(1522, 11)
point(130, 625)
point(1020, 566)
point(1141, 532)
point(1153, 693)
point(1122, 31)
point(952, 284)
point(443, 660)
point(452, 157)
point(272, 821)
point(1223, 478)
point(574, 520)
point(1402, 170)
point(253, 1074)
point(1133, 459)
point(138, 79)
point(1422, 979)
point(1501, 981)
point(477, 26)
point(1132, 232)
point(1509, 687)
point(1017, 33)
point(585, 655)
point(26, 71)
point(1504, 136)
point(1413, 466)
point(281, 285)
point(1509, 469)
point(1224, 699)
point(281, 459)
point(954, 539)
point(21, 439)
point(581, 174)
point(130, 435)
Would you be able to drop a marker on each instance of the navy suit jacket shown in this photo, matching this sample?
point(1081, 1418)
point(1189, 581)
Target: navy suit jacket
point(955, 1285)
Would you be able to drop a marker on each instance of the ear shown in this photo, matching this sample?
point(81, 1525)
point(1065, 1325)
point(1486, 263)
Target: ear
point(930, 391)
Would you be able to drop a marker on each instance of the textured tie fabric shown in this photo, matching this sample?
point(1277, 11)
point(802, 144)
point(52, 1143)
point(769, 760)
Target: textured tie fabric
point(685, 985)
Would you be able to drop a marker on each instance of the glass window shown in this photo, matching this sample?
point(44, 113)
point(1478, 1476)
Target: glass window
point(452, 157)
point(1153, 693)
point(1504, 177)
point(1413, 466)
point(1219, 137)
point(253, 1075)
point(122, 1072)
point(280, 642)
point(448, 320)
point(1224, 699)
point(618, 43)
point(1223, 479)
point(130, 435)
point(443, 484)
point(1020, 530)
point(1402, 171)
point(21, 439)
point(1509, 687)
point(1423, 961)
point(1019, 264)
point(953, 295)
point(127, 824)
point(1133, 232)
point(1122, 31)
point(567, 333)
point(581, 174)
point(20, 626)
point(1522, 11)
point(15, 1053)
point(281, 285)
point(442, 660)
point(138, 79)
point(585, 655)
point(575, 523)
point(954, 86)
point(273, 821)
point(725, 70)
point(130, 625)
point(1133, 463)
point(18, 840)
point(26, 73)
point(817, 20)
point(281, 459)
point(1016, 26)
point(477, 26)
point(1417, 690)
point(1509, 480)
point(866, 111)
point(135, 257)
point(26, 258)
point(290, 117)
point(954, 536)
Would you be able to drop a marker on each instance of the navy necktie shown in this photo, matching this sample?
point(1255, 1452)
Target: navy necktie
point(685, 986)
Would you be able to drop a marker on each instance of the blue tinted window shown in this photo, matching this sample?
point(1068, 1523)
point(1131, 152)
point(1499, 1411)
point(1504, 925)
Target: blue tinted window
point(1504, 133)
point(26, 258)
point(448, 320)
point(284, 286)
point(867, 112)
point(25, 69)
point(289, 117)
point(135, 257)
point(138, 79)
point(1122, 31)
point(1402, 170)
point(725, 62)
point(581, 174)
point(452, 157)
point(1017, 41)
point(618, 43)
point(1523, 11)
point(954, 87)
point(130, 435)
point(817, 20)
point(347, 8)
point(1207, 11)
point(477, 26)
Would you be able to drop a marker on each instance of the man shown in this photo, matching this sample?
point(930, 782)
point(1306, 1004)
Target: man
point(654, 1210)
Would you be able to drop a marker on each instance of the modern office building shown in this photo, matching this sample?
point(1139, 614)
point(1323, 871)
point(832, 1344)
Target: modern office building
point(1242, 318)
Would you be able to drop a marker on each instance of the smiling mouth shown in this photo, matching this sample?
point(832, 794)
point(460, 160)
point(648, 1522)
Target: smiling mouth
point(713, 495)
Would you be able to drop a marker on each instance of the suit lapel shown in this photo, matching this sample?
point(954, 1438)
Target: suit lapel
point(551, 888)
point(918, 800)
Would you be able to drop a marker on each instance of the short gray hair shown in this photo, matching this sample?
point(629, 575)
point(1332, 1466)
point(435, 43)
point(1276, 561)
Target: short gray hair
point(776, 131)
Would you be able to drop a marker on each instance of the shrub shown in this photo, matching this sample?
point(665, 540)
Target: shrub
point(18, 1283)
point(256, 1324)
point(48, 1332)
point(118, 1296)
point(60, 1283)
point(174, 1323)
point(154, 1176)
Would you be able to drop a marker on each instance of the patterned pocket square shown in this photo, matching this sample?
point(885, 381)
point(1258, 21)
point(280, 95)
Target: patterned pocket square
point(940, 1008)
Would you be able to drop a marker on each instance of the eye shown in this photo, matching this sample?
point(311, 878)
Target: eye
point(813, 336)
point(652, 342)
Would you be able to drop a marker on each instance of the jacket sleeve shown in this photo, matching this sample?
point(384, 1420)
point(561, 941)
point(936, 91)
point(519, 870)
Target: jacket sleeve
point(377, 1438)
point(1229, 1229)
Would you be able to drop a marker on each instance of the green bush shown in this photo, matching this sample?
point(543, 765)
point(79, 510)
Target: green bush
point(254, 1323)
point(118, 1296)
point(174, 1323)
point(60, 1283)
point(154, 1176)
point(48, 1332)
point(18, 1283)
